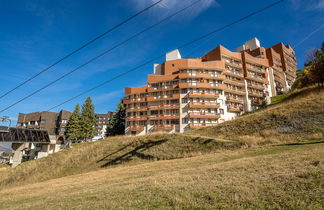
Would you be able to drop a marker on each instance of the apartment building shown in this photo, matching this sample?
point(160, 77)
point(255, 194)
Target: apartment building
point(195, 92)
point(54, 123)
point(101, 123)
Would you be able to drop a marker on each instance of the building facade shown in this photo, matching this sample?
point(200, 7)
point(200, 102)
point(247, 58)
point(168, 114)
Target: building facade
point(54, 123)
point(196, 92)
point(101, 123)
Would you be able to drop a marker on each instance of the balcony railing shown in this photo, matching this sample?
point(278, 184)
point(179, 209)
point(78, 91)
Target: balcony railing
point(258, 79)
point(233, 91)
point(203, 85)
point(134, 118)
point(203, 95)
point(200, 125)
point(239, 83)
point(163, 97)
point(134, 109)
point(256, 94)
point(163, 116)
point(233, 74)
point(163, 88)
point(259, 87)
point(204, 115)
point(164, 106)
point(233, 99)
point(255, 69)
point(163, 127)
point(203, 105)
point(136, 127)
point(257, 102)
point(234, 109)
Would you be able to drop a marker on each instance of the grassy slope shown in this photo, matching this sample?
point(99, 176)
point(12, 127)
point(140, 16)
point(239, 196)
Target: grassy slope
point(109, 153)
point(252, 178)
point(301, 115)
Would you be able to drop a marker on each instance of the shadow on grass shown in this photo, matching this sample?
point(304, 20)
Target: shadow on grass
point(314, 141)
point(136, 152)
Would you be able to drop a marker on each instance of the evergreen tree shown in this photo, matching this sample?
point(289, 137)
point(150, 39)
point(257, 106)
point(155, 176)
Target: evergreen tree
point(88, 120)
point(73, 126)
point(116, 125)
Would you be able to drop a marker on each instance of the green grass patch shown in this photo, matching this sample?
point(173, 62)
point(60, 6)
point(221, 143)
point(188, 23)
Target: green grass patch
point(279, 98)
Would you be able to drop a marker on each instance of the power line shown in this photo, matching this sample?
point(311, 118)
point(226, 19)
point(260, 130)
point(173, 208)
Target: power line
point(308, 36)
point(160, 56)
point(80, 48)
point(100, 55)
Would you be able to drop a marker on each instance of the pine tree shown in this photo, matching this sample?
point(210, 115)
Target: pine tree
point(88, 120)
point(116, 125)
point(73, 126)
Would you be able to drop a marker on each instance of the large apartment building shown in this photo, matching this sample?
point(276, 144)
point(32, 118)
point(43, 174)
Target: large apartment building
point(54, 123)
point(197, 92)
point(102, 121)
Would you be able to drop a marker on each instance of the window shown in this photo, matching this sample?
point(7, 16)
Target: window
point(221, 111)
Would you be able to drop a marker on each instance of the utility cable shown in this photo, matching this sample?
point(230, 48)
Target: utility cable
point(80, 48)
point(160, 56)
point(100, 55)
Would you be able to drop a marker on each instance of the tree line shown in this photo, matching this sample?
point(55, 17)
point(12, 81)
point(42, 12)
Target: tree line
point(81, 125)
point(313, 71)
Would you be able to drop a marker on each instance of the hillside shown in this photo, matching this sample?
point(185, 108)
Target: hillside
point(300, 115)
point(236, 163)
point(111, 152)
point(252, 178)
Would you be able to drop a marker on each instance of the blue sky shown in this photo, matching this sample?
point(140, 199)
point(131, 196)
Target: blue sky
point(35, 33)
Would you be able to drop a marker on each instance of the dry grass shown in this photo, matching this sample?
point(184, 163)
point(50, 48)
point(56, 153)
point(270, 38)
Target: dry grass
point(255, 178)
point(109, 153)
point(193, 172)
point(300, 116)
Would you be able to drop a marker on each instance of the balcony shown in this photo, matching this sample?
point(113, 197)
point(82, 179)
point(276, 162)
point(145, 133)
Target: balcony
point(291, 73)
point(136, 127)
point(134, 109)
point(254, 69)
point(203, 95)
point(201, 125)
point(194, 75)
point(257, 102)
point(164, 106)
point(234, 100)
point(255, 94)
point(127, 101)
point(221, 77)
point(163, 97)
point(205, 115)
point(137, 118)
point(255, 86)
point(234, 109)
point(163, 127)
point(239, 83)
point(203, 85)
point(234, 64)
point(163, 88)
point(193, 105)
point(134, 100)
point(233, 74)
point(163, 116)
point(236, 92)
point(257, 79)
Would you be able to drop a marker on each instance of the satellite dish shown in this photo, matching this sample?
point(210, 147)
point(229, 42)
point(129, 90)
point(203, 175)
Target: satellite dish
point(5, 124)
